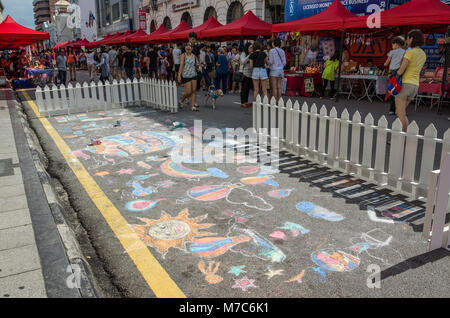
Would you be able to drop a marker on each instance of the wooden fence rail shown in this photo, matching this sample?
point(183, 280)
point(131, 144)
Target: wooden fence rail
point(355, 145)
point(148, 92)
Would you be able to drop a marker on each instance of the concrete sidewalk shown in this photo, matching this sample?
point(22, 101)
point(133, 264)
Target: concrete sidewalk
point(34, 258)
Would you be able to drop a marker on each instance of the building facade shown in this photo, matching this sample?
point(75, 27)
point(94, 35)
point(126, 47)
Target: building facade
point(44, 11)
point(195, 12)
point(116, 16)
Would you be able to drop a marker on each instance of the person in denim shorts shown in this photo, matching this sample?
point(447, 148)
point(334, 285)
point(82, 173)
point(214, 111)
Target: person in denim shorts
point(258, 61)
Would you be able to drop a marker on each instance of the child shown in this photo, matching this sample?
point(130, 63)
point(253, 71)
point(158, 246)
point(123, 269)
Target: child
point(330, 68)
point(394, 61)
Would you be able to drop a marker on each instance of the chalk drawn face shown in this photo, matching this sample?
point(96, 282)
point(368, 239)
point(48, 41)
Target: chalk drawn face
point(169, 230)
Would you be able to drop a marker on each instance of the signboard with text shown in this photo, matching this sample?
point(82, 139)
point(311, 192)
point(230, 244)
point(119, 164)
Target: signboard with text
point(143, 20)
point(299, 9)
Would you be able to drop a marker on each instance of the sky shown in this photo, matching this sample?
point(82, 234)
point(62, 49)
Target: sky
point(21, 11)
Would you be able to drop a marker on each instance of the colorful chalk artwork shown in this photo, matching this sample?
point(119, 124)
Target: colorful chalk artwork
point(318, 212)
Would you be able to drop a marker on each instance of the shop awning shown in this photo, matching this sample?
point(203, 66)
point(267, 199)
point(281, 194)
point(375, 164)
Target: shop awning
point(426, 15)
point(14, 35)
point(182, 36)
point(249, 26)
point(145, 39)
point(330, 19)
point(166, 37)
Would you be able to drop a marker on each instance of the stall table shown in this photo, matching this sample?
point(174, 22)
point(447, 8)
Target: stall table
point(295, 85)
point(42, 76)
point(374, 85)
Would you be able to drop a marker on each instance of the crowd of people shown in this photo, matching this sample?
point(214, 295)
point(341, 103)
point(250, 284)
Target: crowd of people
point(236, 69)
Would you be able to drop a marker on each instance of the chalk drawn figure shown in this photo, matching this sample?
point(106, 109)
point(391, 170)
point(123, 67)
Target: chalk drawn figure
point(274, 272)
point(247, 169)
point(318, 212)
point(209, 193)
point(261, 178)
point(210, 272)
point(167, 231)
point(278, 235)
point(141, 205)
point(210, 247)
point(296, 229)
point(259, 247)
point(237, 270)
point(244, 283)
point(298, 278)
point(348, 259)
point(177, 170)
point(280, 194)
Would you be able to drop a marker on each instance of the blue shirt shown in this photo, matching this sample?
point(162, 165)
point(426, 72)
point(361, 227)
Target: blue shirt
point(223, 68)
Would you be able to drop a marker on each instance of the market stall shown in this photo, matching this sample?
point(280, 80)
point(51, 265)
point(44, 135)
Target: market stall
point(182, 36)
point(14, 35)
point(247, 27)
point(147, 38)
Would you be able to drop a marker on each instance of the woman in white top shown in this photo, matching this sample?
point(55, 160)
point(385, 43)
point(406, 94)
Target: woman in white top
point(90, 63)
point(277, 61)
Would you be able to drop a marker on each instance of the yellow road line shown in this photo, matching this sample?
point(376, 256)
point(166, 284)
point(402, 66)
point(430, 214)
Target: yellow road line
point(154, 274)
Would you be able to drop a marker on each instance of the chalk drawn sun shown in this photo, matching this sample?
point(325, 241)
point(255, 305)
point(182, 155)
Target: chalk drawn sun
point(170, 231)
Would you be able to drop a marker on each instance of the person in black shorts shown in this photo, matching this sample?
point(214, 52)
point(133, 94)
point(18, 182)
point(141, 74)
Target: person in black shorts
point(152, 62)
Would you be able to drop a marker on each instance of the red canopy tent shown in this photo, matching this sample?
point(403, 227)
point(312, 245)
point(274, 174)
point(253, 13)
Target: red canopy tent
point(166, 37)
point(99, 42)
point(78, 44)
point(108, 41)
point(249, 26)
point(329, 20)
point(14, 35)
point(145, 39)
point(183, 35)
point(126, 38)
point(118, 39)
point(426, 15)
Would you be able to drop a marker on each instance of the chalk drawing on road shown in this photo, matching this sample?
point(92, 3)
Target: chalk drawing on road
point(261, 178)
point(167, 231)
point(278, 235)
point(244, 283)
point(143, 165)
point(318, 212)
point(141, 205)
point(280, 194)
point(237, 270)
point(177, 170)
point(210, 247)
point(294, 228)
point(247, 169)
point(125, 171)
point(259, 247)
point(274, 272)
point(101, 174)
point(210, 272)
point(233, 193)
point(297, 278)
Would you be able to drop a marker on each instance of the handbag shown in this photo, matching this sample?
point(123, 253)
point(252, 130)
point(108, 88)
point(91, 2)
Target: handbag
point(395, 84)
point(238, 77)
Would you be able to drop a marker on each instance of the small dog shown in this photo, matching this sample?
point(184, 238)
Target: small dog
point(213, 94)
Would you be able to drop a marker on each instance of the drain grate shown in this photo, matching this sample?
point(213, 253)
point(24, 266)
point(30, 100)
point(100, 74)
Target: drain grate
point(6, 167)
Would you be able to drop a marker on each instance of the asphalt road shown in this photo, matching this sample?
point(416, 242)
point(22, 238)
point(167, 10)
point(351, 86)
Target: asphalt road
point(234, 229)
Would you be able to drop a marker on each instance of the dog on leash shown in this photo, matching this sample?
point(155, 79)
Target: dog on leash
point(213, 94)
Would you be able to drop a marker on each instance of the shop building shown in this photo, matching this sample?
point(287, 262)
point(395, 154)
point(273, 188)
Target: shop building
point(116, 16)
point(44, 11)
point(195, 12)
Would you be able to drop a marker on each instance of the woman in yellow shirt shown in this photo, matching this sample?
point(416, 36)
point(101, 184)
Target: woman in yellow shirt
point(411, 66)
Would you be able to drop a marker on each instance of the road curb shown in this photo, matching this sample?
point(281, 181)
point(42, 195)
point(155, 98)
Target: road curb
point(79, 267)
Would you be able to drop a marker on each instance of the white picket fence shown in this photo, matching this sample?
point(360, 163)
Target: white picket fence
point(353, 146)
point(434, 227)
point(154, 93)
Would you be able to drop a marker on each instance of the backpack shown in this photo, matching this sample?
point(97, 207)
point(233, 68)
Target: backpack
point(395, 84)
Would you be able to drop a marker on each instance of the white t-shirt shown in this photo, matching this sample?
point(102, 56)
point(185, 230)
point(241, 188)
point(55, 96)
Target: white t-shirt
point(396, 58)
point(90, 58)
point(176, 56)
